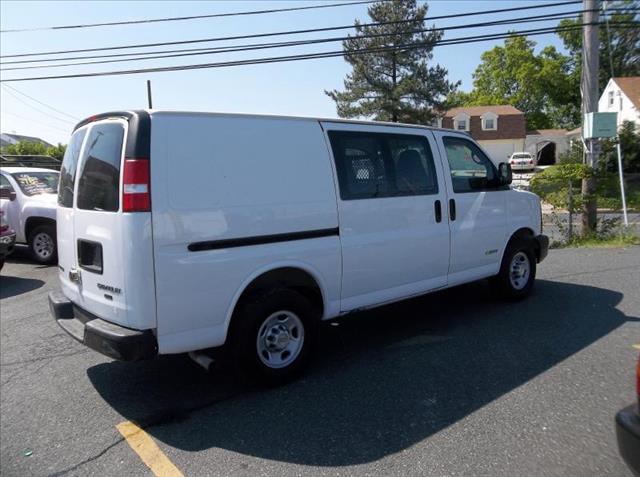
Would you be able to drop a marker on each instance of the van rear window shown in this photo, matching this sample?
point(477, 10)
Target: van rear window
point(68, 169)
point(98, 186)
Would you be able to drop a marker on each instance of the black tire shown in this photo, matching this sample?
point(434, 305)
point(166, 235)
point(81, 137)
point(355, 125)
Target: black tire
point(250, 316)
point(1, 263)
point(36, 244)
point(514, 288)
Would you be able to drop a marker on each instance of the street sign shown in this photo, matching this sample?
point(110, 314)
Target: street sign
point(600, 125)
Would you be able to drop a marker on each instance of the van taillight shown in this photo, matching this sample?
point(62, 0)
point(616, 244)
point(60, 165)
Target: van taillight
point(136, 186)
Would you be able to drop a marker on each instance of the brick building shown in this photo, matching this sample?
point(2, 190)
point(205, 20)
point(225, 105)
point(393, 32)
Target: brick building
point(500, 130)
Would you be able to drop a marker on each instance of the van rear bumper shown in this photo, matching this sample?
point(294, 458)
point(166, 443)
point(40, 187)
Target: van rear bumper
point(107, 338)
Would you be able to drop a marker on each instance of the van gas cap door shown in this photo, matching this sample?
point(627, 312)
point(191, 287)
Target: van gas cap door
point(74, 275)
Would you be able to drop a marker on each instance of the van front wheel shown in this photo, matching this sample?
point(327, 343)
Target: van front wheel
point(273, 335)
point(517, 271)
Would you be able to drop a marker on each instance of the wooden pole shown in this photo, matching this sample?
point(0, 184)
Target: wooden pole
point(589, 89)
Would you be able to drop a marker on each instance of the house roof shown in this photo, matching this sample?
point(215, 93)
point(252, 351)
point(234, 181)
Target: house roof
point(500, 110)
point(547, 132)
point(6, 139)
point(630, 86)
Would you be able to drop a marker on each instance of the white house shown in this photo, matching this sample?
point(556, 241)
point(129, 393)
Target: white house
point(622, 95)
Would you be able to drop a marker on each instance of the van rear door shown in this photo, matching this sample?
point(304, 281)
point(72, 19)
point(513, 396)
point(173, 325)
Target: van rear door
point(108, 262)
point(65, 215)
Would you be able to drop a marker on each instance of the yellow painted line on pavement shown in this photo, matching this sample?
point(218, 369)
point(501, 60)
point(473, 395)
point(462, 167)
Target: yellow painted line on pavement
point(143, 445)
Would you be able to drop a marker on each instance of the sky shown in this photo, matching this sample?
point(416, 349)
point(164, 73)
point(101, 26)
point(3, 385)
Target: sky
point(295, 88)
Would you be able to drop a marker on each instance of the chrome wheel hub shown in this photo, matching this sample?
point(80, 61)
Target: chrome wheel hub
point(43, 245)
point(280, 339)
point(519, 270)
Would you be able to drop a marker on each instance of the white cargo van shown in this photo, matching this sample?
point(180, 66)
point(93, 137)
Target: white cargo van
point(180, 232)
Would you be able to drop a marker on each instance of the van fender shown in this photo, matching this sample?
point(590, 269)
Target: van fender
point(304, 266)
point(525, 233)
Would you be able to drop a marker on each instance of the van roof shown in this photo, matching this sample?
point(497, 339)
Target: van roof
point(156, 112)
point(301, 118)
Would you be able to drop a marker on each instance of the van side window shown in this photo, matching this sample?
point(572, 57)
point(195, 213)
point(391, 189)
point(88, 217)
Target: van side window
point(68, 169)
point(471, 169)
point(99, 188)
point(373, 165)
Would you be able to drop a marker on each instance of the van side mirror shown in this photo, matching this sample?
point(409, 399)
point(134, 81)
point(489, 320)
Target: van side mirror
point(7, 193)
point(505, 176)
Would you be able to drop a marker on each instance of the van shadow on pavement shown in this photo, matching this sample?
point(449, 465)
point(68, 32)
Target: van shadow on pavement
point(12, 286)
point(383, 380)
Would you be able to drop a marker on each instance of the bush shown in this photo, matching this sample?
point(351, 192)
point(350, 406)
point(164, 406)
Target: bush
point(552, 185)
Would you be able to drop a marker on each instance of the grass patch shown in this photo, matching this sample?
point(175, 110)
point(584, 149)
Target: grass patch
point(624, 239)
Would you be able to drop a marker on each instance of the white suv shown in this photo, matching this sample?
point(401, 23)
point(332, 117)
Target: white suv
point(180, 232)
point(31, 209)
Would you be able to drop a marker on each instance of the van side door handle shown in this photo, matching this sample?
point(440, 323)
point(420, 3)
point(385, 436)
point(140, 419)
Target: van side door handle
point(438, 208)
point(452, 209)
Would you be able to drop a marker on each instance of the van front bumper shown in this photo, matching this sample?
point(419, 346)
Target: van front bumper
point(102, 336)
point(542, 246)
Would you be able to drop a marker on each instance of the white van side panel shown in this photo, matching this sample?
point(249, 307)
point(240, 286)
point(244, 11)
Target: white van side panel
point(523, 211)
point(219, 177)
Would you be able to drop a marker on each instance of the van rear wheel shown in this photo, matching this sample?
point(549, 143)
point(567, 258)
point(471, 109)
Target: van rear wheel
point(517, 271)
point(273, 336)
point(42, 243)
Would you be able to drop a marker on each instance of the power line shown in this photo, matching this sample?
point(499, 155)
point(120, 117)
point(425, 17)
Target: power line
point(191, 17)
point(261, 46)
point(34, 108)
point(40, 102)
point(328, 54)
point(288, 32)
point(36, 121)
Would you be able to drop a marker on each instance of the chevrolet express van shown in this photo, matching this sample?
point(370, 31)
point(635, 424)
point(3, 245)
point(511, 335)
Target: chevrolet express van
point(180, 232)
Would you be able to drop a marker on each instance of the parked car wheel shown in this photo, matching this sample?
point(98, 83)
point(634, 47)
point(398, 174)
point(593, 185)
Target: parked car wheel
point(517, 271)
point(273, 336)
point(42, 243)
point(1, 263)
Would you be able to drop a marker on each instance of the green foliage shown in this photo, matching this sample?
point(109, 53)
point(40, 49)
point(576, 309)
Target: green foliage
point(629, 136)
point(27, 148)
point(57, 151)
point(615, 237)
point(393, 85)
point(546, 86)
point(552, 185)
point(625, 44)
point(534, 83)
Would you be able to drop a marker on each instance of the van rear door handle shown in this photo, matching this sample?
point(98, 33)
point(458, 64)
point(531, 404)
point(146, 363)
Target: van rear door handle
point(452, 209)
point(438, 208)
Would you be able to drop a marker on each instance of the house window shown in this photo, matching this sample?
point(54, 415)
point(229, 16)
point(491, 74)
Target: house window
point(489, 121)
point(611, 100)
point(461, 121)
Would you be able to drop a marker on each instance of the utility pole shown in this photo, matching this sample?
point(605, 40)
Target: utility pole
point(589, 90)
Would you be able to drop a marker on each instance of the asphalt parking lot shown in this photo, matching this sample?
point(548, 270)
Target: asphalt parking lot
point(454, 383)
